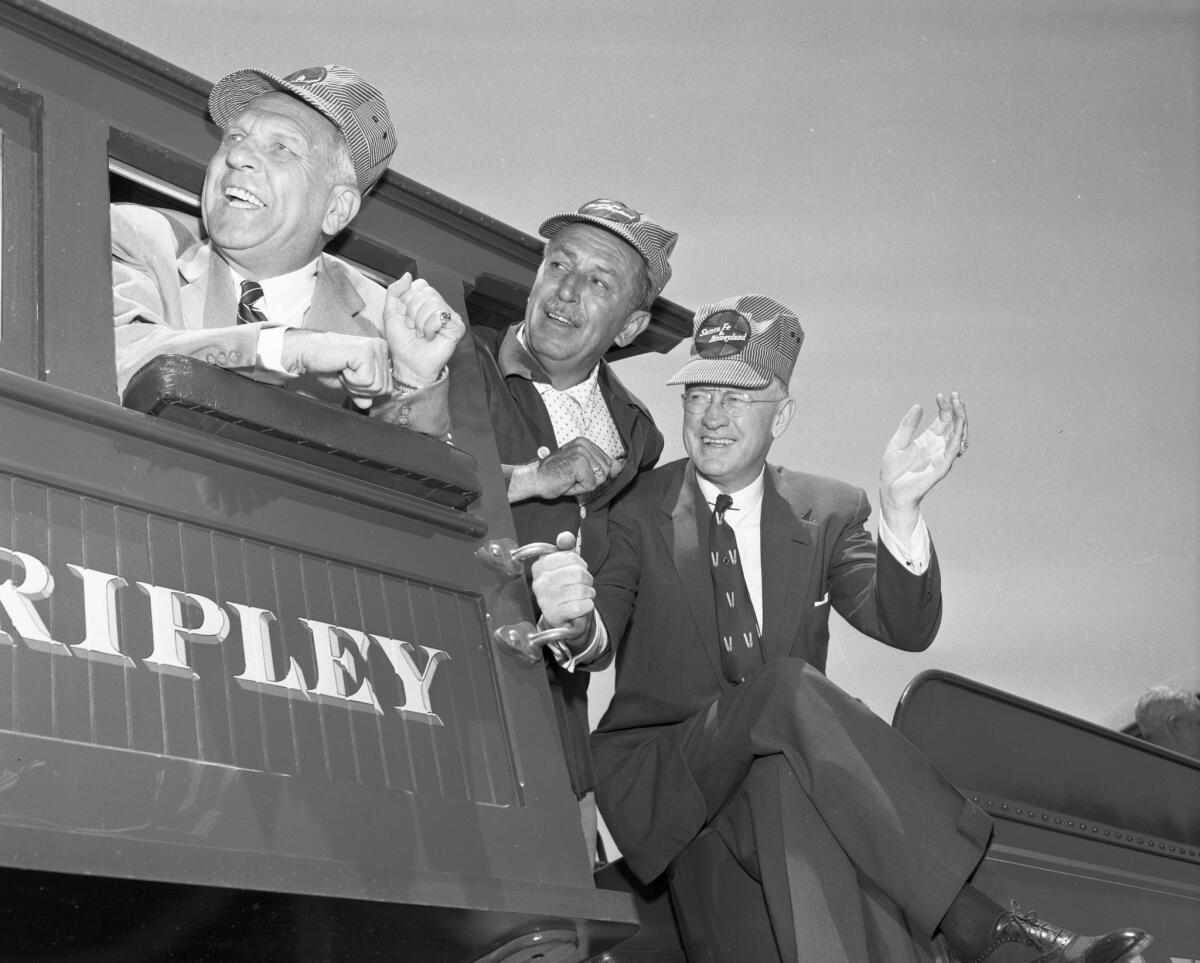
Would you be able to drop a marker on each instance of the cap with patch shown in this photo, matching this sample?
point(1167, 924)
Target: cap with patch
point(353, 106)
point(742, 342)
point(649, 238)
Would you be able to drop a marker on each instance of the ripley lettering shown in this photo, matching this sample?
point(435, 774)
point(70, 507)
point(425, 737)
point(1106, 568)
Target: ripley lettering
point(337, 673)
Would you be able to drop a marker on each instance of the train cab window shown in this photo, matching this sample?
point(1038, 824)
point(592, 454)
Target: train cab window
point(208, 399)
point(494, 302)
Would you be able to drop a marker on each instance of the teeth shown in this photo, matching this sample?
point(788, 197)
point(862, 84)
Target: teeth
point(561, 319)
point(718, 441)
point(239, 197)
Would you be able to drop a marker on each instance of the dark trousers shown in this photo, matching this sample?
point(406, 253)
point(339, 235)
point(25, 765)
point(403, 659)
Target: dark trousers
point(852, 832)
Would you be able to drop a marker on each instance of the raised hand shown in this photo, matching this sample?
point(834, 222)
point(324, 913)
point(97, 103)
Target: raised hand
point(913, 465)
point(421, 330)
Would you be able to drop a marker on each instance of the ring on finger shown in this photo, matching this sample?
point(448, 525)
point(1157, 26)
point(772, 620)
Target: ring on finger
point(444, 317)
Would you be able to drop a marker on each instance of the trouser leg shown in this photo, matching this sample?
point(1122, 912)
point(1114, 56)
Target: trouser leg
point(810, 887)
point(898, 821)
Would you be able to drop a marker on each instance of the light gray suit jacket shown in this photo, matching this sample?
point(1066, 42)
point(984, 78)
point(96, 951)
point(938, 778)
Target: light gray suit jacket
point(173, 294)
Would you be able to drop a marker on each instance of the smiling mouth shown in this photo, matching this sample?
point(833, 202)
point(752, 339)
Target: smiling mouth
point(718, 442)
point(561, 319)
point(243, 199)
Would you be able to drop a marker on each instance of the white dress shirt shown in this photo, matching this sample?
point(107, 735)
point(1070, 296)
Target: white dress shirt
point(579, 411)
point(284, 303)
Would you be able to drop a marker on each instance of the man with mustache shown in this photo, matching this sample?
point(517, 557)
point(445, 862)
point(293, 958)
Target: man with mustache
point(570, 436)
point(716, 596)
point(253, 291)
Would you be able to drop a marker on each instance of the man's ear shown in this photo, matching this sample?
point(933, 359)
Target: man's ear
point(783, 417)
point(344, 202)
point(634, 325)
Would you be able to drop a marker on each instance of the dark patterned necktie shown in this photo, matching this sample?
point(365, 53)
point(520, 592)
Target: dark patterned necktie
point(248, 310)
point(737, 627)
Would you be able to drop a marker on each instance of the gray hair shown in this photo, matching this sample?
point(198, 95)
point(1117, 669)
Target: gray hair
point(339, 165)
point(1159, 706)
point(643, 288)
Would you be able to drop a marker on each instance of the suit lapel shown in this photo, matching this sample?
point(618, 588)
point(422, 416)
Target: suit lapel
point(788, 554)
point(336, 306)
point(206, 294)
point(681, 534)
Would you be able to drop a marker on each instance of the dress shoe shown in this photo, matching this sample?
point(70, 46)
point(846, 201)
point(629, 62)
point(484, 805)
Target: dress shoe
point(1023, 938)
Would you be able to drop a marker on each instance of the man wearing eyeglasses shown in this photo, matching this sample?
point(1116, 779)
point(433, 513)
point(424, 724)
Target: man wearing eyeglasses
point(716, 596)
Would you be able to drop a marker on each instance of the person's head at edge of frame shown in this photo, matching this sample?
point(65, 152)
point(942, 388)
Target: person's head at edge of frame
point(735, 394)
point(297, 155)
point(601, 270)
point(1170, 717)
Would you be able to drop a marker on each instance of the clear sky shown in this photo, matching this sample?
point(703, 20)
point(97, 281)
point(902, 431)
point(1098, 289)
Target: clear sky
point(997, 197)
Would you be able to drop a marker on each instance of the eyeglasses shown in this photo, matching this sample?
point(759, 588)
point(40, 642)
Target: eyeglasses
point(736, 404)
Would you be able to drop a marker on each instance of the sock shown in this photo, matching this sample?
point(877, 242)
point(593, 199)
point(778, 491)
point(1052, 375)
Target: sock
point(969, 921)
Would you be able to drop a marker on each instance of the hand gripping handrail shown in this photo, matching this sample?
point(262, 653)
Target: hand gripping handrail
point(524, 640)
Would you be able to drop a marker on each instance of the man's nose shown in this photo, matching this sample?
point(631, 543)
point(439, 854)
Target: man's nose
point(242, 154)
point(568, 286)
point(715, 414)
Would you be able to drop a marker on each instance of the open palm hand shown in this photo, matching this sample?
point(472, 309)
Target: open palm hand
point(913, 465)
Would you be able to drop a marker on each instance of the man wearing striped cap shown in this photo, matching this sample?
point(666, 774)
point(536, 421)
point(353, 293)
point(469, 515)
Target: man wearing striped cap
point(254, 291)
point(716, 596)
point(570, 435)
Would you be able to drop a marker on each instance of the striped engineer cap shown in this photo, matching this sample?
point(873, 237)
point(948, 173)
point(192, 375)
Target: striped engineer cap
point(742, 342)
point(649, 238)
point(355, 107)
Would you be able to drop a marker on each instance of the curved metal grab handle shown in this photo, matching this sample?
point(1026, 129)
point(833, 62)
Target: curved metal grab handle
point(525, 641)
point(533, 550)
point(505, 556)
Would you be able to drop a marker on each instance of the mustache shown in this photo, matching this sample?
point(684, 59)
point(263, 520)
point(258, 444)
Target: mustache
point(554, 306)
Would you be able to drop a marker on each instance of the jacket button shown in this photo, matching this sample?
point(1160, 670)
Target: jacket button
point(234, 357)
point(221, 357)
point(542, 452)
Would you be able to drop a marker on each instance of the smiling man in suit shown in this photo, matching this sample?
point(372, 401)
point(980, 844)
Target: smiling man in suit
point(715, 596)
point(250, 288)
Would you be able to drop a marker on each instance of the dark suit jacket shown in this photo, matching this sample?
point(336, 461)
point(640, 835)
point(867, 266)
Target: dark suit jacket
point(524, 434)
point(654, 592)
point(173, 294)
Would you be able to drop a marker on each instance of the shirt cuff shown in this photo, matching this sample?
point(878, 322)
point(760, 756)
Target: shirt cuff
point(403, 388)
point(915, 555)
point(270, 350)
point(596, 646)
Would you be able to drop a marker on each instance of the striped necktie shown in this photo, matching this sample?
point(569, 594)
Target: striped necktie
point(248, 310)
point(737, 626)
